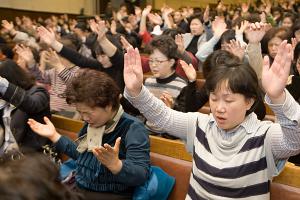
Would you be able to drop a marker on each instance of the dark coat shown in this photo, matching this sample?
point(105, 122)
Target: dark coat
point(32, 103)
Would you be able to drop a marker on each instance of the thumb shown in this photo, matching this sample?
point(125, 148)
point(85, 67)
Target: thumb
point(47, 121)
point(117, 144)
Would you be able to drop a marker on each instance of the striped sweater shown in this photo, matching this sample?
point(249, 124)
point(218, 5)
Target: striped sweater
point(236, 164)
point(173, 85)
point(58, 83)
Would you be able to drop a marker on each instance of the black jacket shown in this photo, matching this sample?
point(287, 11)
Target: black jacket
point(32, 103)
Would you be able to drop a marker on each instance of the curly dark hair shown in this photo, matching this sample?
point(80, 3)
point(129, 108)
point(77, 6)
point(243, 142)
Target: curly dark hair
point(94, 88)
point(165, 44)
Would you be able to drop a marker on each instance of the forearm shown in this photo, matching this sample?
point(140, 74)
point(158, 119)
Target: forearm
point(285, 139)
point(65, 145)
point(156, 112)
point(208, 30)
point(255, 58)
point(108, 48)
point(143, 27)
point(207, 48)
point(185, 57)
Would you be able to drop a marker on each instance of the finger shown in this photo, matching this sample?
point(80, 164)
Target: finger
point(47, 121)
point(266, 65)
point(108, 147)
point(280, 57)
point(117, 145)
point(138, 69)
point(183, 64)
point(131, 58)
point(127, 68)
point(289, 58)
point(31, 121)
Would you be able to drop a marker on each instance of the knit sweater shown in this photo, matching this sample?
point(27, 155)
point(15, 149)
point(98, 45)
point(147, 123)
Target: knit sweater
point(236, 164)
point(134, 153)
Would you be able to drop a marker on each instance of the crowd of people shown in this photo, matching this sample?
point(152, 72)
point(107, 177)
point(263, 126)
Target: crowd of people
point(92, 69)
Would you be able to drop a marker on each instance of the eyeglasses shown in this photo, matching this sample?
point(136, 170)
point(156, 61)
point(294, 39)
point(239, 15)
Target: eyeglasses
point(151, 62)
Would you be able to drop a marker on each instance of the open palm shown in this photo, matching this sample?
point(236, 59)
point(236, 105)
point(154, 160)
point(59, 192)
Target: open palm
point(274, 78)
point(133, 73)
point(45, 130)
point(47, 36)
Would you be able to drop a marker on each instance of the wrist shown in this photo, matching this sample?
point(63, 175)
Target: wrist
point(115, 168)
point(13, 32)
point(102, 39)
point(55, 137)
point(57, 46)
point(279, 99)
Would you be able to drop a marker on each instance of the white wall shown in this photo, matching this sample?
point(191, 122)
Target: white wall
point(56, 6)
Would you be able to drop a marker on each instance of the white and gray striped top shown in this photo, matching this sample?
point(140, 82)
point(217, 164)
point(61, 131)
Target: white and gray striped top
point(238, 164)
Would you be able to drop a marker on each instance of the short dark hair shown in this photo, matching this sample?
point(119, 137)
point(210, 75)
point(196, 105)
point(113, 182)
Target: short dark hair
point(219, 57)
point(16, 75)
point(165, 44)
point(241, 79)
point(94, 88)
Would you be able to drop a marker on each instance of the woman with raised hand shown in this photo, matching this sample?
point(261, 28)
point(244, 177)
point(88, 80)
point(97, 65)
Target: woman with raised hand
point(235, 155)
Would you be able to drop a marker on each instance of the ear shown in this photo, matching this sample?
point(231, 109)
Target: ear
point(250, 103)
point(172, 61)
point(108, 108)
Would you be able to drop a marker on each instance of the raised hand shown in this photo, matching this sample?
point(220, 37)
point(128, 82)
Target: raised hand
point(25, 53)
point(166, 11)
point(242, 28)
point(155, 18)
point(294, 42)
point(113, 27)
point(256, 31)
point(236, 48)
point(109, 156)
point(146, 10)
point(53, 59)
point(180, 43)
point(98, 28)
point(189, 71)
point(206, 14)
point(133, 72)
point(9, 26)
point(219, 26)
point(274, 78)
point(126, 45)
point(46, 130)
point(245, 7)
point(46, 36)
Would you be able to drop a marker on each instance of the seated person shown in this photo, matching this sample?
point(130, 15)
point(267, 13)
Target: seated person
point(235, 155)
point(194, 98)
point(21, 99)
point(112, 156)
point(165, 83)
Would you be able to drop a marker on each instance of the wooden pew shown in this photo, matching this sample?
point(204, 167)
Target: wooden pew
point(171, 156)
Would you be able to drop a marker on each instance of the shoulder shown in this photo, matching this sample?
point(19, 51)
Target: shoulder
point(134, 126)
